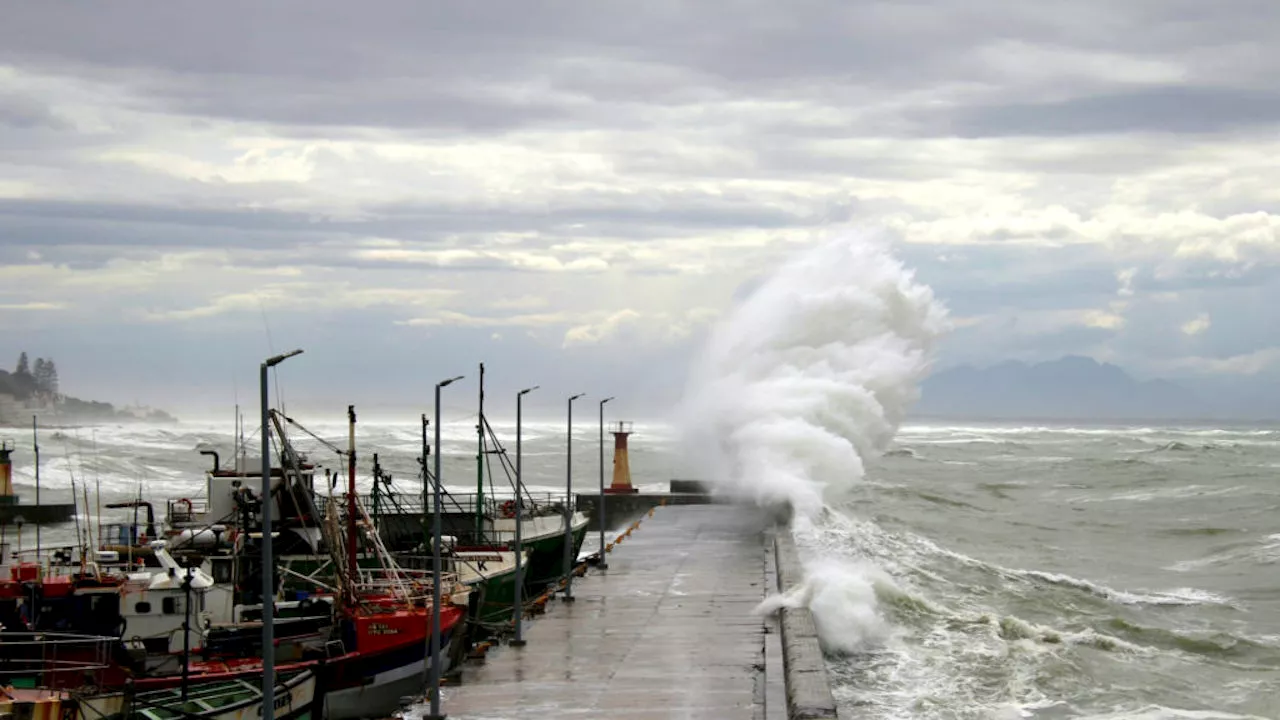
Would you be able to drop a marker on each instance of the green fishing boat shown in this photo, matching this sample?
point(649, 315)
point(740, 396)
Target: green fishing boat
point(233, 699)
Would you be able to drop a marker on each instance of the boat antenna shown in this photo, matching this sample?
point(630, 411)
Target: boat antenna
point(75, 499)
point(133, 530)
point(352, 567)
point(88, 541)
point(35, 451)
point(97, 480)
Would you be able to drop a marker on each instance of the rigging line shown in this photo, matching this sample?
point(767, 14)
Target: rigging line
point(271, 349)
point(71, 473)
point(313, 436)
point(97, 481)
point(488, 463)
point(508, 466)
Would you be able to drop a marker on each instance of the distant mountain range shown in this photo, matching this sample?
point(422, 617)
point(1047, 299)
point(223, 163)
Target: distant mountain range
point(1071, 388)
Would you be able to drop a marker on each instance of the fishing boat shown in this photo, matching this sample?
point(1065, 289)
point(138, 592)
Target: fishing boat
point(485, 521)
point(378, 641)
point(234, 699)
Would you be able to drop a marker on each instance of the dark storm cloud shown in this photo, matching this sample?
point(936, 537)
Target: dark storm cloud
point(499, 66)
point(23, 112)
point(634, 137)
point(1162, 109)
point(54, 222)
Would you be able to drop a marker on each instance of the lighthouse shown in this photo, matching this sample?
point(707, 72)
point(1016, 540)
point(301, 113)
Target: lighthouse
point(6, 473)
point(621, 466)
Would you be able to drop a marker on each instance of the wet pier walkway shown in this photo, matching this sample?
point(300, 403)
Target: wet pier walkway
point(667, 631)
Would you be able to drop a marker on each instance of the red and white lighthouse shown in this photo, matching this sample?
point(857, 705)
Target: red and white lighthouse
point(621, 467)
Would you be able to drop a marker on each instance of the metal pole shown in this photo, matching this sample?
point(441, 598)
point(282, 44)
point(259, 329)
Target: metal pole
point(480, 430)
point(353, 558)
point(268, 563)
point(518, 609)
point(268, 587)
point(426, 479)
point(186, 633)
point(604, 565)
point(568, 506)
point(436, 593)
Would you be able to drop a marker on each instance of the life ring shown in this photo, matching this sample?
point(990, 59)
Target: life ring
point(184, 501)
point(509, 509)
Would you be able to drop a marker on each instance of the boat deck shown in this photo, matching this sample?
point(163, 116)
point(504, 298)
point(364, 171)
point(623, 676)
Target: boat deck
point(666, 631)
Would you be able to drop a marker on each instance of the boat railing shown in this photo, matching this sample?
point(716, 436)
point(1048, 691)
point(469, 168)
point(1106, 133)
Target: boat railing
point(184, 510)
point(54, 660)
point(453, 504)
point(405, 583)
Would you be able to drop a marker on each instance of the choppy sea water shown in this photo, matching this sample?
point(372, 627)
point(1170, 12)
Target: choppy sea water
point(161, 463)
point(1040, 572)
point(1053, 572)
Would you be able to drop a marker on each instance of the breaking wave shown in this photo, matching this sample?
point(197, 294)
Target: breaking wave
point(805, 379)
point(806, 382)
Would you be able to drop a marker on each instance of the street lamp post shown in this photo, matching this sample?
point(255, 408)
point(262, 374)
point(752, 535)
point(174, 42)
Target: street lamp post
point(518, 610)
point(268, 563)
point(436, 598)
point(568, 506)
point(604, 565)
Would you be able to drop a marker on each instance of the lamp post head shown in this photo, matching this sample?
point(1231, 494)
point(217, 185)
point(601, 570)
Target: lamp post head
point(528, 390)
point(602, 402)
point(450, 381)
point(276, 360)
point(575, 397)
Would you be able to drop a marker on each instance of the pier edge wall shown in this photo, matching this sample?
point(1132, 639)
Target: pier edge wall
point(805, 669)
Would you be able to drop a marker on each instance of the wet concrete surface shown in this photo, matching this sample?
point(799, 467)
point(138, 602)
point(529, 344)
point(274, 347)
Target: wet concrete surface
point(666, 632)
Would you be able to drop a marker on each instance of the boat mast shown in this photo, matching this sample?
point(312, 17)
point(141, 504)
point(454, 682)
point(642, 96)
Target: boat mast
point(35, 450)
point(352, 569)
point(479, 508)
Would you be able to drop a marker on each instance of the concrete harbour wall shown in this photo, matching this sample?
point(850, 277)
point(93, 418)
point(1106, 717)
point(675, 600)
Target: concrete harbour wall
point(808, 687)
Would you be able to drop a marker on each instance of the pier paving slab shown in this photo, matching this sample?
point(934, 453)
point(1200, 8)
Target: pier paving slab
point(666, 632)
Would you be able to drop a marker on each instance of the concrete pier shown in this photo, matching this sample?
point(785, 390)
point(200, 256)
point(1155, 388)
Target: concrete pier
point(620, 510)
point(668, 631)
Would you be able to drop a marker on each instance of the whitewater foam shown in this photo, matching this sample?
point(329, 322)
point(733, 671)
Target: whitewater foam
point(800, 383)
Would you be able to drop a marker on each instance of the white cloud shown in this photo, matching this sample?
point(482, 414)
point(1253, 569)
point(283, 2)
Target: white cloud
point(1196, 325)
point(591, 333)
point(460, 319)
point(1104, 319)
point(1125, 278)
point(304, 296)
point(31, 306)
point(652, 328)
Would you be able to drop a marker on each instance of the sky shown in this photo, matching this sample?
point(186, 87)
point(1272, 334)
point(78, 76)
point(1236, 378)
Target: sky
point(574, 192)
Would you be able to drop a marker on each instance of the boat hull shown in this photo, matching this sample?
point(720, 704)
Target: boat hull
point(379, 684)
point(546, 558)
point(498, 596)
point(294, 699)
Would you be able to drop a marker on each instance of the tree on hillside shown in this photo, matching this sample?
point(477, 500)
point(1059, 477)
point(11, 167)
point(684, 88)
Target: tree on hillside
point(23, 367)
point(46, 379)
point(47, 382)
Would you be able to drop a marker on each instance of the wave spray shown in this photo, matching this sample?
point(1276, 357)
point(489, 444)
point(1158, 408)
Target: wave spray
point(799, 384)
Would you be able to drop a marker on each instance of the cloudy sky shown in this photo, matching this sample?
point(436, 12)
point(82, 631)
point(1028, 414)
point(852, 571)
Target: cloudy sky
point(573, 191)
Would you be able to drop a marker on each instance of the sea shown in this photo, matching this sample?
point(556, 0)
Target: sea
point(973, 570)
